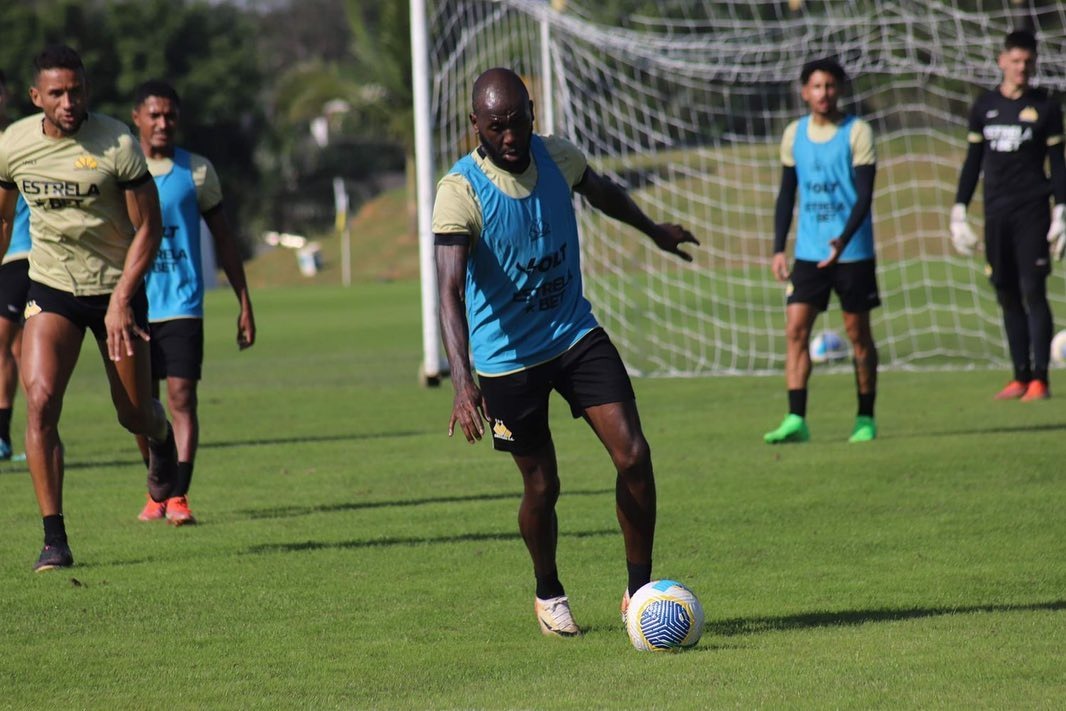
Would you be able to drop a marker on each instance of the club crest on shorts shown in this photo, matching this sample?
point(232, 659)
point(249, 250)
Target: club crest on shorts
point(32, 309)
point(500, 431)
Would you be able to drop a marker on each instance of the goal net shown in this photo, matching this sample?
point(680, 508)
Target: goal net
point(684, 103)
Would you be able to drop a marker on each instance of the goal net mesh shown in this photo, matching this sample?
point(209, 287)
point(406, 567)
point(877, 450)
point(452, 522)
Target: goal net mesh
point(684, 102)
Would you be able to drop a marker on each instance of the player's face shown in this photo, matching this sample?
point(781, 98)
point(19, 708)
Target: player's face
point(1018, 66)
point(157, 123)
point(505, 132)
point(63, 97)
point(821, 93)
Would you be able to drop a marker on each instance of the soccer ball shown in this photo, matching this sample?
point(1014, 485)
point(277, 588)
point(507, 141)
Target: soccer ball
point(664, 616)
point(828, 346)
point(1058, 348)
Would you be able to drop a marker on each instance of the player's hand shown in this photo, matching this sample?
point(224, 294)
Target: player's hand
point(245, 329)
point(469, 411)
point(122, 329)
point(669, 238)
point(963, 238)
point(835, 248)
point(779, 266)
point(1056, 236)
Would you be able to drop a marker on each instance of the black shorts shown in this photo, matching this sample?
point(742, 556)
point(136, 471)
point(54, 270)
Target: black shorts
point(1016, 245)
point(14, 285)
point(83, 311)
point(590, 373)
point(854, 282)
point(177, 348)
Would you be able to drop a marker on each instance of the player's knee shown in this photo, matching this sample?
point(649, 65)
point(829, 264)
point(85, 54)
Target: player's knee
point(43, 405)
point(136, 420)
point(1034, 293)
point(634, 459)
point(542, 489)
point(798, 332)
point(182, 403)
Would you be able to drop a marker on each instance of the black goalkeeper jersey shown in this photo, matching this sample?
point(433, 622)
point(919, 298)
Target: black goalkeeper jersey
point(1015, 134)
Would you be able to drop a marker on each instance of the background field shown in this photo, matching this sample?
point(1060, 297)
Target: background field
point(350, 555)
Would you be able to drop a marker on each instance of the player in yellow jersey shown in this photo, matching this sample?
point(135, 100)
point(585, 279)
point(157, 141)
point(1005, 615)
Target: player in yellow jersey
point(96, 227)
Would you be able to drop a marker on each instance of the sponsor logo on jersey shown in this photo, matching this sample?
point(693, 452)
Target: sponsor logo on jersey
point(500, 431)
point(991, 114)
point(32, 309)
point(1028, 114)
point(86, 162)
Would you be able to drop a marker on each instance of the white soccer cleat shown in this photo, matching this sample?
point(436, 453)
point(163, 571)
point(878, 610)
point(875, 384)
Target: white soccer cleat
point(554, 617)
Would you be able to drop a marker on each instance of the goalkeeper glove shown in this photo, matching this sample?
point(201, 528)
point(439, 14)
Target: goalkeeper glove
point(1056, 236)
point(963, 238)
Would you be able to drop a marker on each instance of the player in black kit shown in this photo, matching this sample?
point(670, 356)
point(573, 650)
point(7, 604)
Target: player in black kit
point(1012, 130)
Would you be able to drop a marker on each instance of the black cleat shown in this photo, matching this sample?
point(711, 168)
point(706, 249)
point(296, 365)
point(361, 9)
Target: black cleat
point(53, 556)
point(162, 467)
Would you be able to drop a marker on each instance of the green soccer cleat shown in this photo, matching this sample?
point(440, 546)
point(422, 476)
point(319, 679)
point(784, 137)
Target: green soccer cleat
point(865, 429)
point(792, 429)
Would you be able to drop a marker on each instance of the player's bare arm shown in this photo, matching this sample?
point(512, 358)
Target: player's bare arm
point(612, 200)
point(468, 409)
point(142, 205)
point(230, 260)
point(8, 198)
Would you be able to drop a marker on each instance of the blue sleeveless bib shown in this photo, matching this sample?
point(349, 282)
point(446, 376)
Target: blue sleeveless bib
point(175, 283)
point(827, 195)
point(20, 229)
point(523, 280)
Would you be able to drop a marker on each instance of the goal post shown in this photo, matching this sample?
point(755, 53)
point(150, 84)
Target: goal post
point(684, 102)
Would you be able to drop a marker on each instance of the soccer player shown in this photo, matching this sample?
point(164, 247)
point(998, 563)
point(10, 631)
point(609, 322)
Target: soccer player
point(828, 157)
point(509, 271)
point(94, 216)
point(188, 188)
point(1013, 129)
point(14, 283)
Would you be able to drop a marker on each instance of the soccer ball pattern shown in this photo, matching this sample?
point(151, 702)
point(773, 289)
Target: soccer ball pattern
point(1058, 349)
point(828, 346)
point(664, 615)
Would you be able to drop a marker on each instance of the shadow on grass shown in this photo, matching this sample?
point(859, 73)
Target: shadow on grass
point(293, 511)
point(415, 541)
point(850, 618)
point(305, 439)
point(1020, 429)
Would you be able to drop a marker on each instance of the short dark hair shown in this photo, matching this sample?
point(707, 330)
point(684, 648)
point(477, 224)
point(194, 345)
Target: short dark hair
point(827, 65)
point(57, 56)
point(156, 87)
point(1020, 39)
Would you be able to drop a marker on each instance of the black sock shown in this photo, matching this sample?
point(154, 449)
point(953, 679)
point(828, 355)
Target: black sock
point(797, 402)
point(866, 403)
point(184, 479)
point(548, 586)
point(639, 575)
point(5, 424)
point(1040, 374)
point(55, 532)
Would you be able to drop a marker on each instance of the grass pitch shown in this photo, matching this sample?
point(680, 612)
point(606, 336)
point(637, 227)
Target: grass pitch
point(351, 556)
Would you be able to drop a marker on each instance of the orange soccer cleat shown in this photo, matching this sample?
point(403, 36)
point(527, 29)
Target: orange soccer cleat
point(1037, 390)
point(178, 513)
point(153, 510)
point(1013, 390)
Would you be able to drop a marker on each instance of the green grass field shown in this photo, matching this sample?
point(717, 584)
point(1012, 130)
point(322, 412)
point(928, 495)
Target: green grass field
point(351, 556)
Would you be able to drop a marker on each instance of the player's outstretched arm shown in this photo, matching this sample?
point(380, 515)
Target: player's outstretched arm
point(142, 205)
point(468, 408)
point(230, 260)
point(612, 200)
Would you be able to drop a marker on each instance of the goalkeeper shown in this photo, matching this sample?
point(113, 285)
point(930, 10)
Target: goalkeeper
point(1012, 130)
point(509, 269)
point(829, 158)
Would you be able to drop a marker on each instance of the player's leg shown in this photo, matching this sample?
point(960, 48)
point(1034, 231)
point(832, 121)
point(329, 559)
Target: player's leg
point(517, 406)
point(131, 392)
point(51, 344)
point(1033, 259)
point(809, 290)
point(999, 251)
point(14, 283)
point(182, 346)
point(856, 286)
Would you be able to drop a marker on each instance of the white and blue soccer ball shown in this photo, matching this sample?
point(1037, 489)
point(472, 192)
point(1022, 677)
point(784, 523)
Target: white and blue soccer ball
point(664, 616)
point(1058, 349)
point(827, 347)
